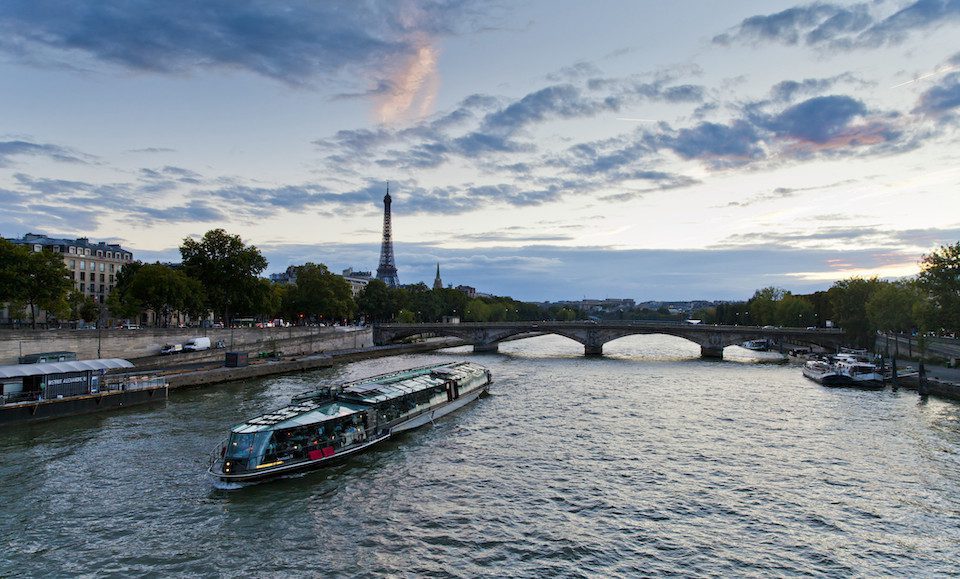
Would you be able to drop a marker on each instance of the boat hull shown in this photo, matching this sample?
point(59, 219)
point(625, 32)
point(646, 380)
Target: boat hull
point(308, 465)
point(74, 405)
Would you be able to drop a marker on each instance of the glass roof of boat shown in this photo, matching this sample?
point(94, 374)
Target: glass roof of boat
point(301, 414)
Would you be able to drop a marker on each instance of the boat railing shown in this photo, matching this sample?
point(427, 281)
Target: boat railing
point(128, 383)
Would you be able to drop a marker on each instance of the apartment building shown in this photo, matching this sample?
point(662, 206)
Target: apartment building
point(94, 266)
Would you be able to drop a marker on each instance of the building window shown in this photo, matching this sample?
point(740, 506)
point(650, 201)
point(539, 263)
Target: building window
point(73, 264)
point(83, 276)
point(111, 278)
point(101, 288)
point(83, 264)
point(73, 249)
point(99, 253)
point(103, 266)
point(111, 268)
point(81, 286)
point(92, 286)
point(101, 278)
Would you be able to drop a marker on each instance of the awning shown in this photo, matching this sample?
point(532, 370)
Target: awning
point(20, 370)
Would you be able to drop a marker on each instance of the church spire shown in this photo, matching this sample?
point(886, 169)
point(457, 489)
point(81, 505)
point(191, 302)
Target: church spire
point(437, 283)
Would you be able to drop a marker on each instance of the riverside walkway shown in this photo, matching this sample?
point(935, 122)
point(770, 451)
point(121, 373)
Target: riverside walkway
point(486, 336)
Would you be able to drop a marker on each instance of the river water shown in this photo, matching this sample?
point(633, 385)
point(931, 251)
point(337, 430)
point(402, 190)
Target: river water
point(647, 461)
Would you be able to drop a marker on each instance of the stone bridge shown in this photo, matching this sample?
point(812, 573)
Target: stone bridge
point(486, 336)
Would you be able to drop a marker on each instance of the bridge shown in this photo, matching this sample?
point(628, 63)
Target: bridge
point(486, 336)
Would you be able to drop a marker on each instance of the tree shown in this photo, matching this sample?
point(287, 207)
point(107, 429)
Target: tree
point(164, 290)
point(378, 302)
point(82, 307)
point(794, 311)
point(940, 277)
point(43, 282)
point(848, 299)
point(225, 266)
point(763, 305)
point(890, 308)
point(120, 303)
point(319, 294)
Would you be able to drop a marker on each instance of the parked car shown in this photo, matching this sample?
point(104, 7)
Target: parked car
point(196, 344)
point(129, 326)
point(171, 349)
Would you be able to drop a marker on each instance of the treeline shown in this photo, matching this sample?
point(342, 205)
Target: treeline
point(219, 276)
point(929, 302)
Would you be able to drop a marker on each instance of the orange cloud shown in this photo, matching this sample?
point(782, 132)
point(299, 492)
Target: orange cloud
point(414, 85)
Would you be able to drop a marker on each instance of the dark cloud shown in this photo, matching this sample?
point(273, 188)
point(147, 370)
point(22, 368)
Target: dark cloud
point(942, 99)
point(819, 119)
point(194, 211)
point(9, 149)
point(715, 144)
point(293, 41)
point(843, 26)
point(788, 90)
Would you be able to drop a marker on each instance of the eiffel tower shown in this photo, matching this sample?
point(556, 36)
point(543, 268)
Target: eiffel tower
point(387, 270)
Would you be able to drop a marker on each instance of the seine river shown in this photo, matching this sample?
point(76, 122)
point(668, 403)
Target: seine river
point(647, 461)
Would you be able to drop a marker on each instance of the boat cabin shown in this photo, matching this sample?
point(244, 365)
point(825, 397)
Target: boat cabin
point(307, 430)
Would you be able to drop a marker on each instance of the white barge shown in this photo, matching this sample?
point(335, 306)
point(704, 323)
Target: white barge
point(325, 426)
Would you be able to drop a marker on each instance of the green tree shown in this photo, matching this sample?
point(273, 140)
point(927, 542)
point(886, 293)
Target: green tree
point(319, 294)
point(164, 290)
point(890, 308)
point(378, 302)
point(940, 277)
point(794, 311)
point(120, 303)
point(476, 310)
point(44, 282)
point(848, 300)
point(763, 305)
point(227, 268)
point(82, 307)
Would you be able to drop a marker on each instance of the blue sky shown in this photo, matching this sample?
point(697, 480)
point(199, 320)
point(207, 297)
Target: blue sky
point(545, 150)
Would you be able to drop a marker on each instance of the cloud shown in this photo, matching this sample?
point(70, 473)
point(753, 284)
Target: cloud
point(818, 120)
point(293, 41)
point(10, 149)
point(717, 145)
point(941, 99)
point(788, 90)
point(835, 26)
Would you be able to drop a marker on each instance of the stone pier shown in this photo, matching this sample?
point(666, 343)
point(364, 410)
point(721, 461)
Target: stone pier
point(491, 347)
point(711, 352)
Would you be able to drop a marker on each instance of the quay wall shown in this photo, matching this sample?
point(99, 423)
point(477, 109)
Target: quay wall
point(146, 342)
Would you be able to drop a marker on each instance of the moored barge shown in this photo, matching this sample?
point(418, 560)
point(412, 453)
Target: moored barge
point(325, 426)
point(31, 392)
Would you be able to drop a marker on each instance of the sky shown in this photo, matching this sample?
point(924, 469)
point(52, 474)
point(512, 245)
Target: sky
point(545, 150)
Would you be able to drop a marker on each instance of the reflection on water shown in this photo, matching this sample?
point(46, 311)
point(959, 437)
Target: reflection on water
point(649, 460)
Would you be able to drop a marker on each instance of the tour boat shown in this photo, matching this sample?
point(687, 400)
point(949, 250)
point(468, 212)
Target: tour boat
point(324, 426)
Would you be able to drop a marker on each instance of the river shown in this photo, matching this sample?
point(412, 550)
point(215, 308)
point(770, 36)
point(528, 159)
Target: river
point(647, 461)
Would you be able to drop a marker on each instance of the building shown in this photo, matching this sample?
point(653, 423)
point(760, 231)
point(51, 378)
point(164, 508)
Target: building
point(93, 266)
point(287, 277)
point(357, 280)
point(470, 291)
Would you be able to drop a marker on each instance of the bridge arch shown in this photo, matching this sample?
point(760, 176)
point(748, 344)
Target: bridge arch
point(486, 337)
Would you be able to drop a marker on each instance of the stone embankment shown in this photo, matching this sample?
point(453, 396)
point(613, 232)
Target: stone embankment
point(216, 375)
point(142, 345)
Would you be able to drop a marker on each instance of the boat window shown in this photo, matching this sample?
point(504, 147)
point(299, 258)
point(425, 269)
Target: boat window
point(240, 446)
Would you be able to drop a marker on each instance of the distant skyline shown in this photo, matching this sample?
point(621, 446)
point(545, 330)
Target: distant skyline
point(543, 150)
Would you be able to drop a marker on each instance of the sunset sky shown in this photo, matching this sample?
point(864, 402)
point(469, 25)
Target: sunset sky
point(544, 149)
